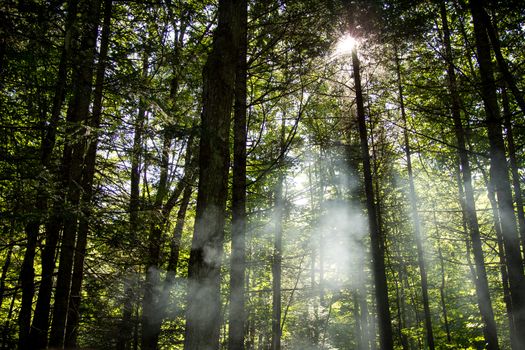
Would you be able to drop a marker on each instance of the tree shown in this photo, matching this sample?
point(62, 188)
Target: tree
point(203, 310)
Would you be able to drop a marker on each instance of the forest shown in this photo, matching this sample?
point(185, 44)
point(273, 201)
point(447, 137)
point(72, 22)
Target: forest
point(262, 174)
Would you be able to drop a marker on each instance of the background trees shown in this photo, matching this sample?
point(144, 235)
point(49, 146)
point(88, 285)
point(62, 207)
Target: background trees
point(124, 123)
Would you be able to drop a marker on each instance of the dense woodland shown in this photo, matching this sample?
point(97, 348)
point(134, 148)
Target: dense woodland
point(262, 174)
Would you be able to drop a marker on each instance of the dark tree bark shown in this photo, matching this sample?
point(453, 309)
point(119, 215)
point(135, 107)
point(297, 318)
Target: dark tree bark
point(499, 172)
point(33, 226)
point(40, 325)
point(77, 115)
point(415, 214)
point(153, 300)
point(468, 201)
point(126, 325)
point(516, 180)
point(278, 216)
point(376, 239)
point(203, 310)
point(502, 62)
point(5, 268)
point(73, 315)
point(237, 318)
point(151, 315)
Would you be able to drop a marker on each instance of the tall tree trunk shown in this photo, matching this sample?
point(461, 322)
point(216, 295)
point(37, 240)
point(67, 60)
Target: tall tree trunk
point(376, 239)
point(499, 172)
point(126, 327)
point(469, 207)
point(5, 268)
point(29, 335)
point(503, 265)
point(73, 315)
point(502, 63)
point(516, 180)
point(237, 318)
point(151, 315)
point(77, 116)
point(203, 309)
point(154, 298)
point(415, 214)
point(278, 251)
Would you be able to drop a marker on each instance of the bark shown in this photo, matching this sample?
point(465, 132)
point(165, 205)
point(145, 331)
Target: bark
point(502, 263)
point(499, 172)
point(203, 310)
point(376, 239)
point(126, 326)
point(33, 226)
point(502, 62)
point(27, 275)
point(77, 116)
point(516, 181)
point(415, 215)
point(442, 296)
point(468, 201)
point(151, 319)
point(277, 253)
point(5, 268)
point(237, 315)
point(73, 315)
point(173, 259)
point(40, 325)
point(155, 299)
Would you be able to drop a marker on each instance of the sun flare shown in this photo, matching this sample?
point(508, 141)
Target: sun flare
point(345, 45)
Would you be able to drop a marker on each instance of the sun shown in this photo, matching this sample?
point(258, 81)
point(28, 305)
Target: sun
point(345, 45)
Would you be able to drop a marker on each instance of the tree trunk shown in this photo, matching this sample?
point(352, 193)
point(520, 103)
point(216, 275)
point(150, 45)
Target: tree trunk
point(151, 315)
point(126, 326)
point(237, 315)
point(278, 252)
point(502, 63)
point(499, 172)
point(77, 115)
point(36, 335)
point(503, 265)
point(5, 268)
point(516, 181)
point(376, 239)
point(415, 215)
point(73, 315)
point(203, 310)
point(469, 207)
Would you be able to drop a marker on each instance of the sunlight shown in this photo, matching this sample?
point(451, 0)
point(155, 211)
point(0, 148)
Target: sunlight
point(345, 45)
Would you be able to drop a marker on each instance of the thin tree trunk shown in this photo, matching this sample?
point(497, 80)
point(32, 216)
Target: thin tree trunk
point(37, 337)
point(503, 265)
point(237, 315)
point(376, 239)
point(5, 268)
point(278, 252)
point(442, 295)
point(499, 173)
point(151, 315)
point(78, 114)
point(27, 275)
point(516, 181)
point(469, 207)
point(125, 335)
point(5, 332)
point(156, 298)
point(73, 315)
point(415, 215)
